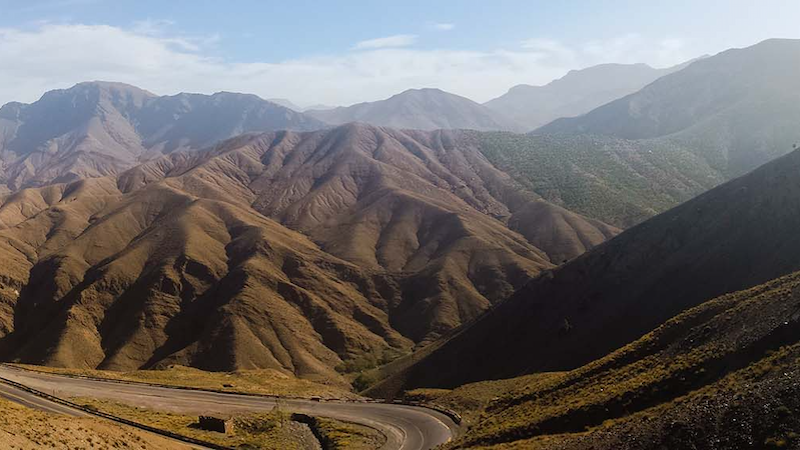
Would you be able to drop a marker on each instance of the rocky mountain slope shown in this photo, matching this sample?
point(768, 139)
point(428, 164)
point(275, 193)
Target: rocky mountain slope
point(737, 109)
point(96, 129)
point(302, 252)
point(420, 109)
point(738, 235)
point(577, 93)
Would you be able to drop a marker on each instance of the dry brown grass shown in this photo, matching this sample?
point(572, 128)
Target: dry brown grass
point(23, 429)
point(274, 430)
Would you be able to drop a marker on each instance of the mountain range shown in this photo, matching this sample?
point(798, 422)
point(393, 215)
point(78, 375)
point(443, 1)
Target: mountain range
point(303, 252)
point(96, 129)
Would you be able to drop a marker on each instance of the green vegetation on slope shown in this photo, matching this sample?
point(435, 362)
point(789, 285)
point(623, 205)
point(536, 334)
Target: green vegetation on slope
point(617, 181)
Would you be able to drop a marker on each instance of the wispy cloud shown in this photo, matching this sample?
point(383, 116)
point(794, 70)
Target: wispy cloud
point(551, 49)
point(398, 40)
point(633, 48)
point(443, 26)
point(627, 48)
point(54, 56)
point(162, 29)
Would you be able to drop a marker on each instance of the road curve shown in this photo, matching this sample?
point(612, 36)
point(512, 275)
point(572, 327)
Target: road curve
point(406, 427)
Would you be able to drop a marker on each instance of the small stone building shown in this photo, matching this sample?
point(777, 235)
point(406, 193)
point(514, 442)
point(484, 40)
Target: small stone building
point(218, 424)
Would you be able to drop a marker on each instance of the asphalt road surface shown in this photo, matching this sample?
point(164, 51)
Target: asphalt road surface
point(406, 427)
point(25, 398)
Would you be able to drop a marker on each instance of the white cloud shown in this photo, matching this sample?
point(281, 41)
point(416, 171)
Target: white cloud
point(398, 40)
point(553, 50)
point(634, 48)
point(61, 55)
point(443, 26)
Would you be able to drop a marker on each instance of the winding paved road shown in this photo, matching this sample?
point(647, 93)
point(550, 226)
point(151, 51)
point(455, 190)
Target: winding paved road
point(406, 427)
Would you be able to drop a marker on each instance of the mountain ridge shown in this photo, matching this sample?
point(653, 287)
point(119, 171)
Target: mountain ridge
point(103, 128)
point(303, 252)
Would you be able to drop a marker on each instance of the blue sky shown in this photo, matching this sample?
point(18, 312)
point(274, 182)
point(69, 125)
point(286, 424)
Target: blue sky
point(341, 52)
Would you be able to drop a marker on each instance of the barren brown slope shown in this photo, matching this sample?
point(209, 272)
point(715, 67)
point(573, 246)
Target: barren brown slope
point(158, 276)
point(25, 429)
point(735, 236)
point(176, 261)
point(428, 206)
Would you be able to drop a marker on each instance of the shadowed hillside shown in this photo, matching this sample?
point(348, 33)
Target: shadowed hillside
point(738, 235)
point(723, 375)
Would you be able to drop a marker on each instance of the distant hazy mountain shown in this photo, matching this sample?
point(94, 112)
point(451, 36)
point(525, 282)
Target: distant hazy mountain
point(99, 128)
point(578, 92)
point(421, 109)
point(739, 108)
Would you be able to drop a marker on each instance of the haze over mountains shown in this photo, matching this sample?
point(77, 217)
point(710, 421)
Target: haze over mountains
point(577, 93)
point(291, 105)
point(737, 109)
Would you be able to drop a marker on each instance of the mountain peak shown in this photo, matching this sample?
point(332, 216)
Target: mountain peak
point(123, 123)
point(423, 91)
point(422, 109)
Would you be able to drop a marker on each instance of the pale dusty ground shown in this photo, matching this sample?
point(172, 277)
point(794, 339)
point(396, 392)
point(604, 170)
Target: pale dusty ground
point(22, 428)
